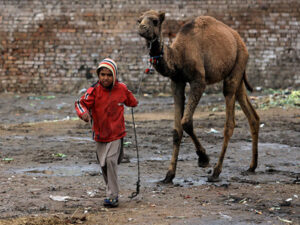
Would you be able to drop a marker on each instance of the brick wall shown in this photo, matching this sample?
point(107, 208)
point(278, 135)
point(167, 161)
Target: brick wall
point(55, 45)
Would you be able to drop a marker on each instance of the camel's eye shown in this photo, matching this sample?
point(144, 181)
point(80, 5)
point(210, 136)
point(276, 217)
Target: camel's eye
point(155, 22)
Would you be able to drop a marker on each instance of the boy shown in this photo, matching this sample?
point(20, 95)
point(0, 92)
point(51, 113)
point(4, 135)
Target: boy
point(103, 106)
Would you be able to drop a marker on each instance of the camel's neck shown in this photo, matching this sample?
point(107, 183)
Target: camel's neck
point(165, 58)
point(155, 48)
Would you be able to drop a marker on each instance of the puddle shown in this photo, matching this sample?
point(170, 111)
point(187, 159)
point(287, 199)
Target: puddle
point(167, 157)
point(231, 171)
point(69, 138)
point(56, 138)
point(73, 170)
point(262, 146)
point(182, 182)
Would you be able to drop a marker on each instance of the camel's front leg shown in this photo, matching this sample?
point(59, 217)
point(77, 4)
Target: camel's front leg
point(197, 89)
point(178, 94)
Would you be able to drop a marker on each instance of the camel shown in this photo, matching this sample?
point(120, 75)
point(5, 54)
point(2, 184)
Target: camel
point(205, 51)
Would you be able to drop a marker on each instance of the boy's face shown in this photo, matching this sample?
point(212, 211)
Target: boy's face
point(106, 77)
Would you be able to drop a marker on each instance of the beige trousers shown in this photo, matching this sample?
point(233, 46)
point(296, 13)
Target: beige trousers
point(108, 156)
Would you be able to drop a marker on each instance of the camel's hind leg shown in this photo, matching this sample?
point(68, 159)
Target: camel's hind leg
point(228, 131)
point(253, 120)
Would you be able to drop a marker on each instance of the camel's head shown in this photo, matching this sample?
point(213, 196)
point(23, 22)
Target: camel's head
point(150, 24)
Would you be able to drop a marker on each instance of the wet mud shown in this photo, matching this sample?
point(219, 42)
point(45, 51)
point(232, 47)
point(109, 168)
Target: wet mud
point(49, 173)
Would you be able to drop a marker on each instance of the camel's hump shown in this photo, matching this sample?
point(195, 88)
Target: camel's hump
point(199, 22)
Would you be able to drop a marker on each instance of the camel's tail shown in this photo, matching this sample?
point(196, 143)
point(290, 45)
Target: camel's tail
point(248, 86)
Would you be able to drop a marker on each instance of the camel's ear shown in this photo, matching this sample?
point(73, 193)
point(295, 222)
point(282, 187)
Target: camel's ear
point(161, 17)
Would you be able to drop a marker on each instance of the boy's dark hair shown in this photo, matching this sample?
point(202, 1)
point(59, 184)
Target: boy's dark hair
point(98, 70)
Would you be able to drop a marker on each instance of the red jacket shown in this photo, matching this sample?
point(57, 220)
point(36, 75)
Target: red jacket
point(106, 108)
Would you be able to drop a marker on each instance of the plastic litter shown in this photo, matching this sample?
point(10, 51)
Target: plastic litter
point(285, 220)
point(62, 198)
point(213, 131)
point(127, 143)
point(258, 212)
point(8, 159)
point(243, 201)
point(91, 193)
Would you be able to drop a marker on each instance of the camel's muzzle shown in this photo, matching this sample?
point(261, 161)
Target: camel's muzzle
point(145, 33)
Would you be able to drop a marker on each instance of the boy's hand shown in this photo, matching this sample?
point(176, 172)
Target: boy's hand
point(86, 117)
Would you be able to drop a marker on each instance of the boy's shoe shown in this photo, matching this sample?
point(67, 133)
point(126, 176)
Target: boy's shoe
point(111, 202)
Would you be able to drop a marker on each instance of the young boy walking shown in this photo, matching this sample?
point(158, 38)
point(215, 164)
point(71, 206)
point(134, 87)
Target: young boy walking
point(103, 106)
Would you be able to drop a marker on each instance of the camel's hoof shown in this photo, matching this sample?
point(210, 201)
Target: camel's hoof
point(248, 172)
point(213, 179)
point(169, 179)
point(165, 181)
point(203, 161)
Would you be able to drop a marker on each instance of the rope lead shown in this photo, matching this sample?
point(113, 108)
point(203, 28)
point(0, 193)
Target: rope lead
point(134, 194)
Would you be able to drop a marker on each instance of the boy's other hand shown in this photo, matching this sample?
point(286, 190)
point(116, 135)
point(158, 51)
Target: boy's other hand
point(86, 117)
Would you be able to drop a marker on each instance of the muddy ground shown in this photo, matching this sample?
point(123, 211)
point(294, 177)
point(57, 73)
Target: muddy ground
point(47, 156)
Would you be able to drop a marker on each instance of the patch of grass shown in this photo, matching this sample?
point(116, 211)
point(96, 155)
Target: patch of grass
point(280, 98)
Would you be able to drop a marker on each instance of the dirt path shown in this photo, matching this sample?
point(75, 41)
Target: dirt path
point(43, 160)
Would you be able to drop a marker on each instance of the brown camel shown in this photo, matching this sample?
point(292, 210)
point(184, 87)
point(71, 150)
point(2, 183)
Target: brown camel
point(205, 51)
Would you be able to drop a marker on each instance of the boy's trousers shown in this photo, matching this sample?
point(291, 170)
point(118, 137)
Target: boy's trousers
point(108, 156)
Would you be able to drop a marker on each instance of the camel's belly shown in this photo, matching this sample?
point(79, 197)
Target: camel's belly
point(213, 79)
point(217, 74)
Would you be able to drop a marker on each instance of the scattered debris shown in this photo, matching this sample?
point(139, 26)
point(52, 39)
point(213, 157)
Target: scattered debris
point(213, 131)
point(91, 193)
point(41, 97)
point(127, 143)
point(243, 201)
point(94, 173)
point(187, 196)
point(225, 216)
point(285, 220)
point(86, 210)
point(104, 209)
point(258, 212)
point(175, 217)
point(62, 198)
point(7, 159)
point(287, 202)
point(258, 88)
point(164, 95)
point(60, 155)
point(274, 208)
